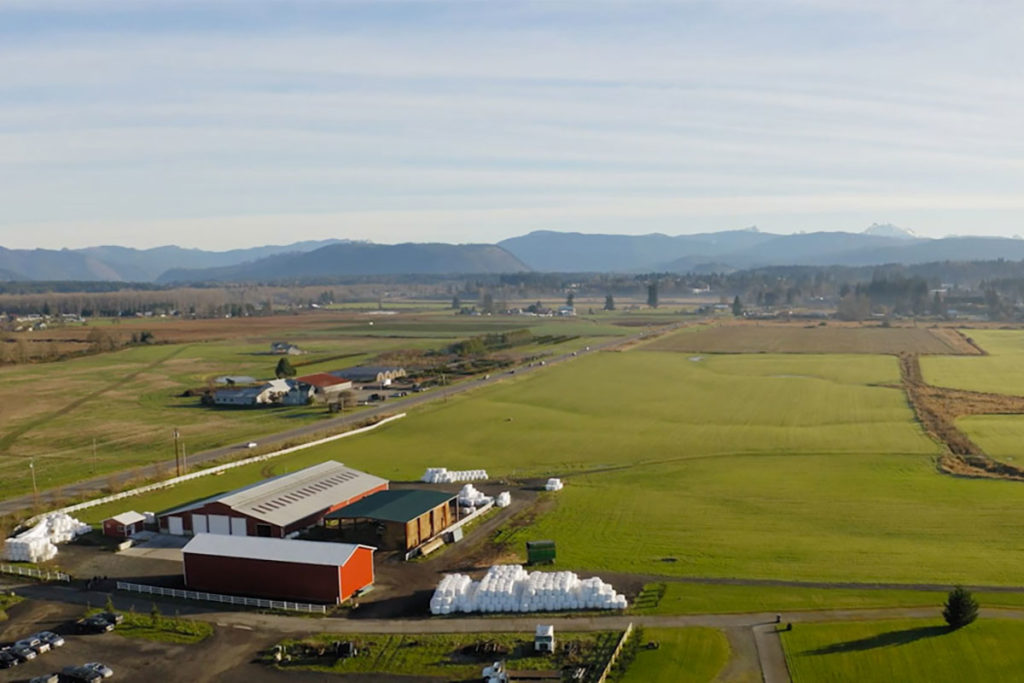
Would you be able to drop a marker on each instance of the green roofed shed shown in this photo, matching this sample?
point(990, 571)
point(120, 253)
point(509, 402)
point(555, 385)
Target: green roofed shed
point(399, 518)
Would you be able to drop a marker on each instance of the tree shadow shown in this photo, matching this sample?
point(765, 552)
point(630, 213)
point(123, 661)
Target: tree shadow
point(891, 638)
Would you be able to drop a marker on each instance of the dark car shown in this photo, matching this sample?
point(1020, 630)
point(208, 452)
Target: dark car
point(36, 643)
point(112, 617)
point(22, 652)
point(51, 638)
point(8, 659)
point(80, 674)
point(94, 624)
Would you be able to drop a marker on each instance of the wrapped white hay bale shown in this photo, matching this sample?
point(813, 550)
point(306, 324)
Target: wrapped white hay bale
point(510, 588)
point(503, 500)
point(39, 543)
point(441, 475)
point(554, 484)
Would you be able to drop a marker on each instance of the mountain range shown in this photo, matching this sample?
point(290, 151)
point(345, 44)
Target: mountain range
point(543, 251)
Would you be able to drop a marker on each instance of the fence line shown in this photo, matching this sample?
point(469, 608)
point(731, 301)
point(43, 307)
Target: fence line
point(212, 470)
point(226, 599)
point(44, 574)
point(615, 654)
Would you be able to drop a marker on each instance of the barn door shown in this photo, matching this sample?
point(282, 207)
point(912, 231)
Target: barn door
point(238, 526)
point(175, 526)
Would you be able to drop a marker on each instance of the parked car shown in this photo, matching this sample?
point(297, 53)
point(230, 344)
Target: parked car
point(113, 617)
point(23, 652)
point(35, 643)
point(251, 444)
point(80, 674)
point(45, 678)
point(101, 669)
point(8, 659)
point(94, 624)
point(51, 638)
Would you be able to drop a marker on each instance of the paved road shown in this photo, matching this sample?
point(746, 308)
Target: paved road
point(94, 486)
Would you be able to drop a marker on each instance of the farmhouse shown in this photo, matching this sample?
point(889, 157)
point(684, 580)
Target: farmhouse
point(285, 348)
point(288, 392)
point(276, 507)
point(395, 519)
point(325, 386)
point(124, 525)
point(371, 374)
point(276, 568)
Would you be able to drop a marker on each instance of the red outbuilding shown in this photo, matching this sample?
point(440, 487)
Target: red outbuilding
point(124, 525)
point(306, 571)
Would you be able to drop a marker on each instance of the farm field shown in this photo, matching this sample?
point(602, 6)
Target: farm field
point(793, 467)
point(684, 655)
point(702, 598)
point(1001, 372)
point(130, 400)
point(905, 650)
point(1000, 436)
point(801, 337)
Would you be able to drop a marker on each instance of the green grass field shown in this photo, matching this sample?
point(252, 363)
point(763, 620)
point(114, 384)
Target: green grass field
point(1000, 436)
point(699, 598)
point(1001, 372)
point(793, 467)
point(905, 650)
point(129, 401)
point(684, 655)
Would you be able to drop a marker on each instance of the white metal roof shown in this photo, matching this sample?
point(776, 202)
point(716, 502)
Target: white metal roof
point(272, 549)
point(130, 517)
point(291, 497)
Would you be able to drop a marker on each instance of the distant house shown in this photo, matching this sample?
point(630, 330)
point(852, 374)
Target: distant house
point(285, 348)
point(566, 311)
point(287, 392)
point(124, 525)
point(371, 374)
point(231, 380)
point(326, 386)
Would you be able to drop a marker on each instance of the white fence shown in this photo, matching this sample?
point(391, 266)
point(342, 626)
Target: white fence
point(43, 574)
point(214, 470)
point(226, 599)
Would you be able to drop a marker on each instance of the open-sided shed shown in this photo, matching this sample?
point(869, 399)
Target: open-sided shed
point(399, 519)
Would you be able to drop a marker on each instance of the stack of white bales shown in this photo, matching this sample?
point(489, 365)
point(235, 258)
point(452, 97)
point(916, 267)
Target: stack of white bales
point(509, 588)
point(471, 497)
point(503, 500)
point(554, 484)
point(38, 544)
point(441, 475)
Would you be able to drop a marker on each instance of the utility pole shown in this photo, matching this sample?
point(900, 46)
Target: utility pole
point(94, 454)
point(177, 454)
point(35, 489)
point(184, 458)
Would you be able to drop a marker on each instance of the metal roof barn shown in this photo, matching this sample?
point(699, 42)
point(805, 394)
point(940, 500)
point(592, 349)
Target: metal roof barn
point(275, 507)
point(395, 519)
point(277, 568)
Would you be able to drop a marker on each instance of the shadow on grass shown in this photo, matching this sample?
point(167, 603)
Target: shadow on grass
point(891, 638)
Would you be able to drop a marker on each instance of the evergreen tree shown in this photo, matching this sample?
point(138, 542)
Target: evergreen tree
point(456, 302)
point(609, 302)
point(284, 369)
point(737, 306)
point(652, 294)
point(961, 608)
point(570, 299)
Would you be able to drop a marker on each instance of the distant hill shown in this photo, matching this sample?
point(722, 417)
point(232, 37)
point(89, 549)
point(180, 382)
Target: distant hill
point(739, 249)
point(338, 260)
point(126, 264)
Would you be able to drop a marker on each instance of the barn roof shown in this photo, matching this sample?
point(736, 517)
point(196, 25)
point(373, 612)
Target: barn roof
point(402, 505)
point(322, 379)
point(272, 549)
point(288, 498)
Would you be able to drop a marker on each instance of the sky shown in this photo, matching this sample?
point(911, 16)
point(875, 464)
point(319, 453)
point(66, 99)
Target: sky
point(231, 123)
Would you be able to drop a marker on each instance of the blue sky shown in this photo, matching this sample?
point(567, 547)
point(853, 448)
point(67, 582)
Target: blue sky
point(226, 123)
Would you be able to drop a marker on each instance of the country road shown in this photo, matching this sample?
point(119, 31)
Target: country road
point(93, 487)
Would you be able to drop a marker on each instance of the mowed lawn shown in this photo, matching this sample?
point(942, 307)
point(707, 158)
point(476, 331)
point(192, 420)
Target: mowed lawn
point(1001, 372)
point(905, 650)
point(684, 655)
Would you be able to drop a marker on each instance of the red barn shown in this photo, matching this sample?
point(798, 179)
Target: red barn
point(276, 507)
point(124, 525)
point(308, 571)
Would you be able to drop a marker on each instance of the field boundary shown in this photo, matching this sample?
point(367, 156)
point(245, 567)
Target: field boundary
point(166, 483)
point(42, 574)
point(615, 653)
